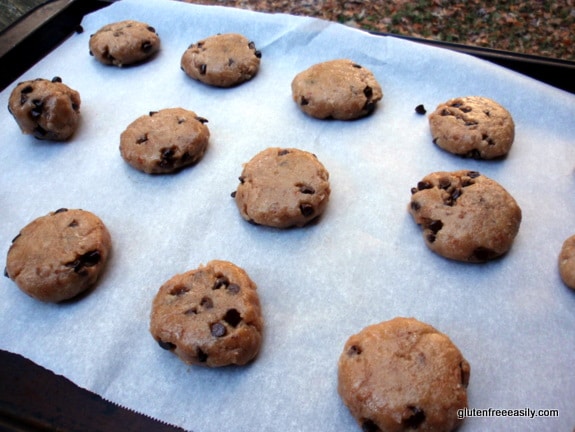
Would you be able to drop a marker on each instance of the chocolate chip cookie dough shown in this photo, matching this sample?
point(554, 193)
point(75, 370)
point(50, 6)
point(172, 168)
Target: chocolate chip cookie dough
point(567, 262)
point(60, 255)
point(48, 110)
point(473, 126)
point(338, 89)
point(210, 316)
point(282, 187)
point(222, 60)
point(165, 141)
point(402, 375)
point(465, 216)
point(124, 43)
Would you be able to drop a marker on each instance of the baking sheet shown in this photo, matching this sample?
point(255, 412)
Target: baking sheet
point(364, 262)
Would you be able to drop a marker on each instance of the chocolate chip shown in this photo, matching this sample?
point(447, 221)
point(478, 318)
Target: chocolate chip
point(151, 113)
point(40, 131)
point(221, 281)
point(73, 224)
point(283, 152)
point(444, 183)
point(305, 189)
point(258, 54)
point(251, 45)
point(218, 330)
point(413, 417)
point(142, 139)
point(27, 89)
point(466, 109)
point(233, 194)
point(307, 210)
point(61, 210)
point(75, 107)
point(354, 350)
point(207, 303)
point(424, 184)
point(202, 120)
point(16, 238)
point(369, 426)
point(37, 110)
point(420, 109)
point(233, 288)
point(6, 273)
point(303, 101)
point(434, 226)
point(167, 345)
point(241, 179)
point(56, 79)
point(202, 356)
point(167, 159)
point(368, 92)
point(89, 259)
point(355, 65)
point(178, 290)
point(430, 238)
point(152, 29)
point(203, 69)
point(473, 174)
point(483, 254)
point(415, 206)
point(233, 317)
point(231, 61)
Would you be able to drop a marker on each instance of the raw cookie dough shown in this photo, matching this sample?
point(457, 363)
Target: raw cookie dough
point(60, 255)
point(222, 60)
point(465, 216)
point(124, 43)
point(164, 141)
point(338, 89)
point(210, 316)
point(282, 187)
point(49, 110)
point(473, 126)
point(403, 375)
point(567, 262)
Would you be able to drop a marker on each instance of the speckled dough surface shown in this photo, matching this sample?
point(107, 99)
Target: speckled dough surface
point(403, 375)
point(465, 216)
point(49, 110)
point(124, 43)
point(338, 89)
point(60, 255)
point(567, 262)
point(283, 188)
point(222, 60)
point(210, 316)
point(165, 141)
point(473, 126)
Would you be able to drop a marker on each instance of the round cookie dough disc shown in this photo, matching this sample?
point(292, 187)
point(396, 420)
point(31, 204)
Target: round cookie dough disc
point(567, 262)
point(403, 375)
point(164, 141)
point(49, 110)
point(283, 188)
point(338, 89)
point(473, 126)
point(124, 43)
point(210, 316)
point(222, 60)
point(465, 216)
point(60, 255)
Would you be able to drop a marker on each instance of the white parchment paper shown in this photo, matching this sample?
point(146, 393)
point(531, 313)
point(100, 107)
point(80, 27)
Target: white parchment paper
point(364, 262)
